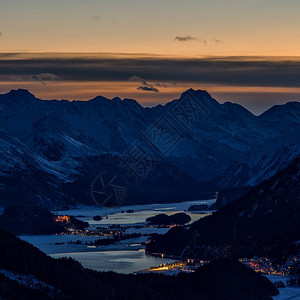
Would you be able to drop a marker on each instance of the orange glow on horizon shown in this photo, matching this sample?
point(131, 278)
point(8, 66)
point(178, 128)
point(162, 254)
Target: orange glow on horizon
point(90, 78)
point(248, 96)
point(73, 90)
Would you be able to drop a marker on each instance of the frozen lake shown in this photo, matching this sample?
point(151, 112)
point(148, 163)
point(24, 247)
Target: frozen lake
point(126, 256)
point(124, 261)
point(141, 212)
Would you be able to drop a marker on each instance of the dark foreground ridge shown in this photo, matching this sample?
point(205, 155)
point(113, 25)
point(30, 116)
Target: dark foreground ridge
point(49, 278)
point(33, 219)
point(264, 222)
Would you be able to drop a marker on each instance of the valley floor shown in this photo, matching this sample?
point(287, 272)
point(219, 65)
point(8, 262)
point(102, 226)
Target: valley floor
point(125, 256)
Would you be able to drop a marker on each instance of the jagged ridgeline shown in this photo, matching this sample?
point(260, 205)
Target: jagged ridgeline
point(51, 151)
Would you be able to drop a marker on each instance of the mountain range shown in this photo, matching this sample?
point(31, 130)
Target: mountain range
point(51, 151)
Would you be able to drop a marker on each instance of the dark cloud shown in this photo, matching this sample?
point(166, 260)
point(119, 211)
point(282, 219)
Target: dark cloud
point(48, 76)
point(135, 78)
point(172, 82)
point(41, 78)
point(36, 78)
point(96, 18)
point(104, 19)
point(216, 41)
point(148, 89)
point(0, 34)
point(159, 84)
point(238, 71)
point(186, 38)
point(212, 41)
point(189, 38)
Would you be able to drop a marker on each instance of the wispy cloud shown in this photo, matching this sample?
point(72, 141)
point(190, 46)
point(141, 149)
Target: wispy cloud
point(36, 78)
point(189, 38)
point(159, 84)
point(148, 89)
point(0, 34)
point(96, 18)
point(135, 78)
point(113, 20)
point(186, 38)
point(48, 76)
point(212, 41)
point(41, 78)
point(216, 41)
point(151, 86)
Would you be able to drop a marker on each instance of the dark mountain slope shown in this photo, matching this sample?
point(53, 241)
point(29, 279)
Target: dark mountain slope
point(50, 148)
point(266, 222)
point(67, 279)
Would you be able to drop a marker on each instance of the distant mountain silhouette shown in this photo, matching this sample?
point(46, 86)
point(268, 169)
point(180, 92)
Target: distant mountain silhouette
point(51, 151)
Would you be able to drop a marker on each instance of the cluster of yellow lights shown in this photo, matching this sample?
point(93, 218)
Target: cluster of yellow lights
point(63, 219)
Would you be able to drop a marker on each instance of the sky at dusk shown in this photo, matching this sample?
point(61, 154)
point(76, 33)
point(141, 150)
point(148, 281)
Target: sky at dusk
point(238, 50)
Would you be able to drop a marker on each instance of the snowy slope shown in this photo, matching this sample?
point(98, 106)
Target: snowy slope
point(72, 141)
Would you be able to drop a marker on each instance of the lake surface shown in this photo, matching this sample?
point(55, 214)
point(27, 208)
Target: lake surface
point(126, 261)
point(126, 256)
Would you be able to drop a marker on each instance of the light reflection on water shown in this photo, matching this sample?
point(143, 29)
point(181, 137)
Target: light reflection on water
point(124, 257)
point(136, 217)
point(119, 261)
point(141, 212)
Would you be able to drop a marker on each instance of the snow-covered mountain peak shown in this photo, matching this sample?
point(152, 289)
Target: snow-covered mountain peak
point(222, 144)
